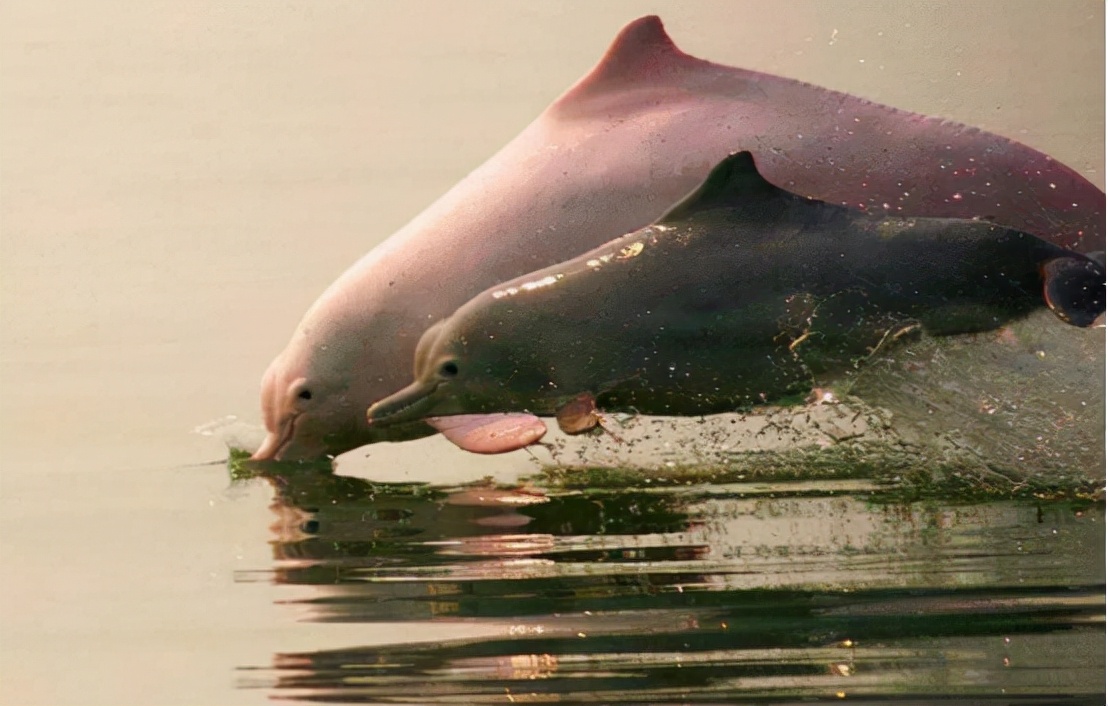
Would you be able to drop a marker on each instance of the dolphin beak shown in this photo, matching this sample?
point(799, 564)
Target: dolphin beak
point(276, 441)
point(268, 450)
point(408, 405)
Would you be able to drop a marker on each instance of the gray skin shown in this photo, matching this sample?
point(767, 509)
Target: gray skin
point(743, 294)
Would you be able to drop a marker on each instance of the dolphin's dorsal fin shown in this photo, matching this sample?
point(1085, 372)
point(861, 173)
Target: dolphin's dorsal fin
point(641, 51)
point(734, 181)
point(638, 45)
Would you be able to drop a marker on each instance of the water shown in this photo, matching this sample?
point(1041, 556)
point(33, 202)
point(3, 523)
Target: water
point(179, 181)
point(706, 594)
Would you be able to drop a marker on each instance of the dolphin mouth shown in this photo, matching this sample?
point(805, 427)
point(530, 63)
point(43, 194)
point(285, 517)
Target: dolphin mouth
point(408, 405)
point(277, 442)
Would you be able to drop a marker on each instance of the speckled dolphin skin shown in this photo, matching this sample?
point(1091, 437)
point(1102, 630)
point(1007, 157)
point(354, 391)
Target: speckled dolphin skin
point(641, 130)
point(743, 294)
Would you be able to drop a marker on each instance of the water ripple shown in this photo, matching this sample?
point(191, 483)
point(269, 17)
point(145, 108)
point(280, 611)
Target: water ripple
point(704, 594)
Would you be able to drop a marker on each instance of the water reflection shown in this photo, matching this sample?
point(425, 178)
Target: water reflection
point(720, 593)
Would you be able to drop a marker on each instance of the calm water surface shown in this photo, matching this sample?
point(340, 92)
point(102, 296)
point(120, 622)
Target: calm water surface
point(178, 181)
point(710, 594)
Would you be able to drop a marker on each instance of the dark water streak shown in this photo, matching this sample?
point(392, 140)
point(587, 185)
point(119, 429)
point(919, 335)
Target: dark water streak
point(756, 593)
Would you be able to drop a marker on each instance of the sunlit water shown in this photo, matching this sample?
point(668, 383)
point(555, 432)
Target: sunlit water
point(706, 594)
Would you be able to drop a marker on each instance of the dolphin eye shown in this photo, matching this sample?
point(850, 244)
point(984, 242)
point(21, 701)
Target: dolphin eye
point(449, 369)
point(304, 394)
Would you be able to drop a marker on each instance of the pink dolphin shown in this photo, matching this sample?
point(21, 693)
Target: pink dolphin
point(612, 154)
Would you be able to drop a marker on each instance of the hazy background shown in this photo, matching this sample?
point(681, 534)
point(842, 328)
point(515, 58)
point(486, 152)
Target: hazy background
point(179, 181)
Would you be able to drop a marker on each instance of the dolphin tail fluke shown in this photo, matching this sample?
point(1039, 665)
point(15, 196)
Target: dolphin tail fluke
point(1074, 288)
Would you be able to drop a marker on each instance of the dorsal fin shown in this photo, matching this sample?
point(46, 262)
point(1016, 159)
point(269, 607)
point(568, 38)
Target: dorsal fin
point(641, 50)
point(733, 181)
point(637, 46)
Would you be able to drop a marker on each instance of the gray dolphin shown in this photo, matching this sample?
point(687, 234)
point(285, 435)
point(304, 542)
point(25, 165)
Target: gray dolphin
point(637, 133)
point(742, 294)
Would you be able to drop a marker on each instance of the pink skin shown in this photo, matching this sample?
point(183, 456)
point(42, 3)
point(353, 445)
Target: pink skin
point(490, 433)
point(631, 138)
